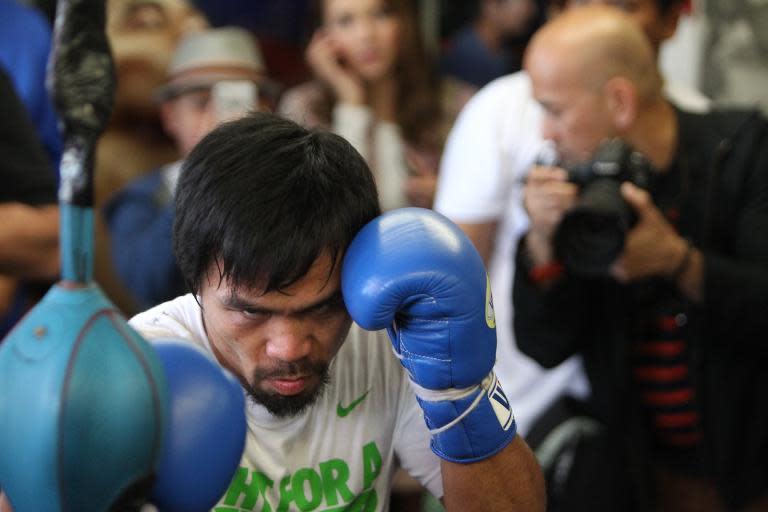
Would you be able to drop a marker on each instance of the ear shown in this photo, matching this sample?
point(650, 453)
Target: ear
point(168, 117)
point(622, 101)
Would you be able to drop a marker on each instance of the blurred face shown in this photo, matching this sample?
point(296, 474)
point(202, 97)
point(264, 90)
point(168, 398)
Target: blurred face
point(647, 15)
point(192, 115)
point(143, 35)
point(188, 118)
point(514, 16)
point(279, 344)
point(576, 117)
point(367, 33)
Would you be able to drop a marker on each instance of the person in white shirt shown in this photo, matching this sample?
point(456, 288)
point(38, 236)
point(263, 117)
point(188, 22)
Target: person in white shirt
point(265, 212)
point(490, 150)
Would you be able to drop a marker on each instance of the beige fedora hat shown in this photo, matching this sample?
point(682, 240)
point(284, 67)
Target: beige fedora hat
point(206, 57)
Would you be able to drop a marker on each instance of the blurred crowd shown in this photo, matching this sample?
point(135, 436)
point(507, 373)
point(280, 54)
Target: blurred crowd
point(484, 127)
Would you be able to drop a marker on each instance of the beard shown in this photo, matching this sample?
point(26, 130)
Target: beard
point(284, 406)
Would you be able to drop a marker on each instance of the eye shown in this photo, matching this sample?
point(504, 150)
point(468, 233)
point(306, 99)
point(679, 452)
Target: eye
point(342, 20)
point(551, 110)
point(382, 12)
point(200, 100)
point(145, 17)
point(626, 5)
point(328, 308)
point(255, 315)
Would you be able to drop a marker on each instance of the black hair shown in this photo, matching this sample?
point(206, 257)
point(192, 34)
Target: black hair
point(263, 198)
point(665, 6)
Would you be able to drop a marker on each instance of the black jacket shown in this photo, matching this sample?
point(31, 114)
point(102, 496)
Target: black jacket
point(724, 212)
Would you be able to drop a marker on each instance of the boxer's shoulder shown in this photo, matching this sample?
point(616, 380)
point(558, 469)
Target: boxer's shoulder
point(179, 318)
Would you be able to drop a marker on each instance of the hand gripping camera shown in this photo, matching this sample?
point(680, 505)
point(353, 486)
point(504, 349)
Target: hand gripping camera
point(591, 235)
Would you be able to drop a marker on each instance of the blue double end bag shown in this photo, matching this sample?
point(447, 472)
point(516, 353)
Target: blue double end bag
point(83, 406)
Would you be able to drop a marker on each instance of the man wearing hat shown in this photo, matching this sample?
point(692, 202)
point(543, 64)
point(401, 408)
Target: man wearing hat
point(215, 75)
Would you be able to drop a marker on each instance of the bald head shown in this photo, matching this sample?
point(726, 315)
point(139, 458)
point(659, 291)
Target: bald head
point(593, 44)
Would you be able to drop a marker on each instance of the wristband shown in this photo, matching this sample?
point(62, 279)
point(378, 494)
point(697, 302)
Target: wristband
point(469, 424)
point(546, 272)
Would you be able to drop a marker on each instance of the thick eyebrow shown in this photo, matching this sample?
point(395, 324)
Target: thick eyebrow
point(237, 302)
point(133, 7)
point(547, 105)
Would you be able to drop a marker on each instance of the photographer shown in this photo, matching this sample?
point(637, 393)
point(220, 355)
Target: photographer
point(672, 330)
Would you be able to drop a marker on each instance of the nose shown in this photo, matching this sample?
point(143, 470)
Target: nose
point(288, 340)
point(209, 118)
point(548, 129)
point(199, 126)
point(365, 29)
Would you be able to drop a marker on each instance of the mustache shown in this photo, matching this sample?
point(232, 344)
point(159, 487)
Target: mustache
point(283, 370)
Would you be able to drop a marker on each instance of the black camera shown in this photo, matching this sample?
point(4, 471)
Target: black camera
point(591, 235)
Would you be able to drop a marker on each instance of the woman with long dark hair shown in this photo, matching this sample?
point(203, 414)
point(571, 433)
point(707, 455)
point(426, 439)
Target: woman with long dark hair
point(374, 85)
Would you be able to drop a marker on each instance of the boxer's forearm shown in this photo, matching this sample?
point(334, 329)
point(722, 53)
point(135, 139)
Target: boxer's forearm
point(510, 480)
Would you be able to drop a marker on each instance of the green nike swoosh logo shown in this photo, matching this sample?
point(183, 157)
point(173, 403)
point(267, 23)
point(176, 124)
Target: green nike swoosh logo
point(343, 411)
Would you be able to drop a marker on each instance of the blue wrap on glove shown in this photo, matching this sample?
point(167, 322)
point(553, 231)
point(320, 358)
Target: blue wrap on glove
point(415, 273)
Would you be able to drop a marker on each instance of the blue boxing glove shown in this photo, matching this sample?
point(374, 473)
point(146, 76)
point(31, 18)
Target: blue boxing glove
point(415, 273)
point(206, 431)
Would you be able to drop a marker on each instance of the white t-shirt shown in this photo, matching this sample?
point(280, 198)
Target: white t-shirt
point(492, 146)
point(344, 448)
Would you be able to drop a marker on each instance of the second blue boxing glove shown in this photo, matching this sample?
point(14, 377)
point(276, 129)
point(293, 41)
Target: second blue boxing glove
point(206, 430)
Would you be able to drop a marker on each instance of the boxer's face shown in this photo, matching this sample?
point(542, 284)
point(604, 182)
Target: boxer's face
point(280, 343)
